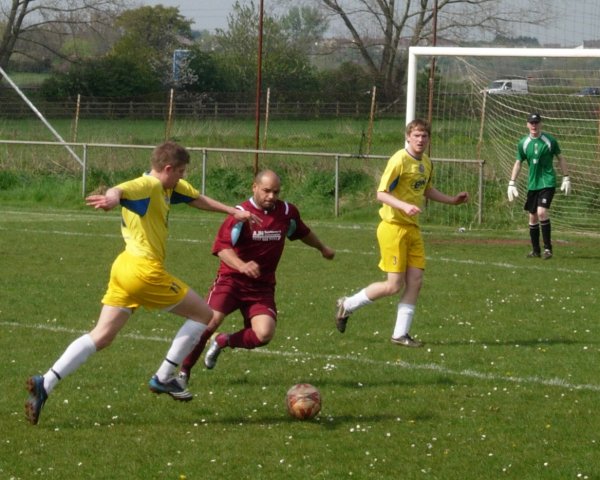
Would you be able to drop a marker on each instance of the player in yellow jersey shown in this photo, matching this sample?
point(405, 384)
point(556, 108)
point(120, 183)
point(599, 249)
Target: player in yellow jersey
point(138, 277)
point(404, 186)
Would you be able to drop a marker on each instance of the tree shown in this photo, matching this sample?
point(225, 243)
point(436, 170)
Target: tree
point(108, 76)
point(150, 37)
point(286, 66)
point(304, 26)
point(348, 82)
point(141, 61)
point(206, 73)
point(380, 28)
point(37, 30)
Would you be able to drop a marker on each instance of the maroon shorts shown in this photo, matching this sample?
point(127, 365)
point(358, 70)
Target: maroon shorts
point(229, 294)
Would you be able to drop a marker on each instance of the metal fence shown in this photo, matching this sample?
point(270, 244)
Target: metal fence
point(475, 167)
point(190, 109)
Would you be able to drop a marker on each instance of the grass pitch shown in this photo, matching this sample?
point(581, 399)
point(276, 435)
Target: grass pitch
point(505, 387)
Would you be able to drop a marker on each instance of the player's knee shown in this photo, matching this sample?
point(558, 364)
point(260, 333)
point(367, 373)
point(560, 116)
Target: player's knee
point(264, 332)
point(393, 288)
point(264, 336)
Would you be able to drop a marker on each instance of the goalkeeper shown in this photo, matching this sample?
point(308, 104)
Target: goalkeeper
point(538, 149)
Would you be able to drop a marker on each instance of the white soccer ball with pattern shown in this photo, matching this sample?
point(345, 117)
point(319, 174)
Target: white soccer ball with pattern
point(303, 401)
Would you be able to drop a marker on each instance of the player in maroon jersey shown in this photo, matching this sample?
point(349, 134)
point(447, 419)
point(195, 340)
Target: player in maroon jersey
point(246, 276)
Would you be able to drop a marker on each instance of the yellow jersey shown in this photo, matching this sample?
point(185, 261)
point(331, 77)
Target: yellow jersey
point(145, 214)
point(406, 178)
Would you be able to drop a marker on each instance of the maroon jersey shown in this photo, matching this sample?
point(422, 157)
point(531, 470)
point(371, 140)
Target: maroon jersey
point(261, 243)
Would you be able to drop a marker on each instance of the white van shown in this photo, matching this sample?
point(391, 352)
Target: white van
point(508, 85)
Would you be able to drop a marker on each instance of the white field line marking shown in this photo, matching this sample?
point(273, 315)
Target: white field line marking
point(72, 216)
point(511, 266)
point(531, 380)
point(475, 263)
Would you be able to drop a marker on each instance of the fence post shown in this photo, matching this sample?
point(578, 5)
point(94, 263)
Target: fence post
point(337, 187)
point(84, 168)
point(480, 193)
point(204, 160)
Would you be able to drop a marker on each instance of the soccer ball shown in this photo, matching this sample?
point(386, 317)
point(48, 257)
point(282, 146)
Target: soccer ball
point(303, 401)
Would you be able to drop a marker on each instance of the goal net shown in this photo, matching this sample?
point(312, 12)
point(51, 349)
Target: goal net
point(479, 108)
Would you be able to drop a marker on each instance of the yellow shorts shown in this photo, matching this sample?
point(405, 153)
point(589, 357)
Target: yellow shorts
point(400, 246)
point(136, 281)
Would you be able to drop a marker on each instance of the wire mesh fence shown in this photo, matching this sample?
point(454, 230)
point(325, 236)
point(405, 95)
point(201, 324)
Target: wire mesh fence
point(328, 175)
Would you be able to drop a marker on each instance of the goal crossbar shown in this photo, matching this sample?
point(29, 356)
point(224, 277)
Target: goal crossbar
point(414, 52)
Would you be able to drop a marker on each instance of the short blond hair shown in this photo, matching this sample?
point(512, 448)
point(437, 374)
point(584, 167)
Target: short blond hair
point(418, 124)
point(169, 153)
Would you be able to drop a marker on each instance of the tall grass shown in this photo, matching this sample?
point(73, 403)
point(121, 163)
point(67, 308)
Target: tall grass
point(48, 174)
point(343, 135)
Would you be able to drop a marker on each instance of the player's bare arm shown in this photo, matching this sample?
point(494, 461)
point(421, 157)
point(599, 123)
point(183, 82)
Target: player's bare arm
point(244, 216)
point(313, 241)
point(206, 203)
point(250, 269)
point(437, 196)
point(563, 165)
point(515, 171)
point(389, 199)
point(106, 202)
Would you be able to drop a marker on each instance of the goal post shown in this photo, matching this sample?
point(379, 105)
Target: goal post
point(415, 52)
point(481, 100)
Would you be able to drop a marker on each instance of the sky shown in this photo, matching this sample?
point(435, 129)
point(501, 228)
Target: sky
point(571, 26)
point(206, 14)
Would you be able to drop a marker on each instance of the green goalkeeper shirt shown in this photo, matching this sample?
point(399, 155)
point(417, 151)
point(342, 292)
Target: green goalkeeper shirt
point(539, 153)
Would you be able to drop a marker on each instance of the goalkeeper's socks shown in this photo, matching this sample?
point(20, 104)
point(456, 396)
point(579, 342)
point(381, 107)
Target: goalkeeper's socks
point(546, 234)
point(534, 234)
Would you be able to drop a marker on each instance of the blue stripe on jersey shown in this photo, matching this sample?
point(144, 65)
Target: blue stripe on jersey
point(394, 184)
point(292, 228)
point(236, 231)
point(139, 207)
point(177, 197)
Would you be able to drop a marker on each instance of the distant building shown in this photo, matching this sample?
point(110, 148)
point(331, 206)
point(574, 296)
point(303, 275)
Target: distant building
point(590, 44)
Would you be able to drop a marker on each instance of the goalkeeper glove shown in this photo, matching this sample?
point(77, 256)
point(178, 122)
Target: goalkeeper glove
point(566, 185)
point(512, 191)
